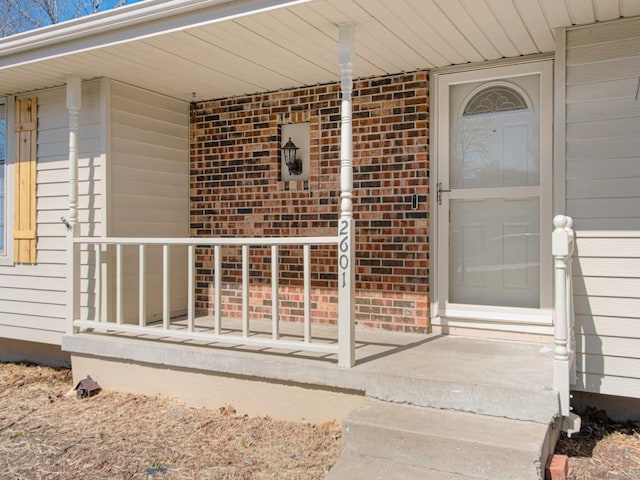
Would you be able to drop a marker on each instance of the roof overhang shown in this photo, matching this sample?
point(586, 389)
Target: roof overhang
point(221, 48)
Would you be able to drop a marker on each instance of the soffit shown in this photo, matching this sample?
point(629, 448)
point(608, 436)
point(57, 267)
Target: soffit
point(297, 44)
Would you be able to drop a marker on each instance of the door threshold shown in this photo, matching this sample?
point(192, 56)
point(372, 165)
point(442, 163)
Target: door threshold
point(496, 329)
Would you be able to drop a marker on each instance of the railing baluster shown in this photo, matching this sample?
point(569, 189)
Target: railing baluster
point(307, 293)
point(275, 302)
point(142, 286)
point(245, 290)
point(98, 270)
point(191, 288)
point(119, 302)
point(217, 279)
point(166, 300)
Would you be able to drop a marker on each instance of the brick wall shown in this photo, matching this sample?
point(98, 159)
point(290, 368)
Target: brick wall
point(236, 190)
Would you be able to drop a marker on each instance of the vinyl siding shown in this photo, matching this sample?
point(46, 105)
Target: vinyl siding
point(603, 197)
point(33, 297)
point(149, 190)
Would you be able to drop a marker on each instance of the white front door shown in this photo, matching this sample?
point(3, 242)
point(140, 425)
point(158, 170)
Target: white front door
point(494, 194)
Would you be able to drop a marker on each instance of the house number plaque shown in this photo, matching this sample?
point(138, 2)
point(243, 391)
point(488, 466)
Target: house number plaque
point(344, 250)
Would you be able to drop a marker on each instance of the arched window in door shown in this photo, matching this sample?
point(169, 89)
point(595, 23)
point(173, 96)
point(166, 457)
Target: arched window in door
point(494, 98)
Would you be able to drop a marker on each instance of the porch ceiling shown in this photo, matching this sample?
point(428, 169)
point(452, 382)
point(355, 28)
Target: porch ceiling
point(220, 48)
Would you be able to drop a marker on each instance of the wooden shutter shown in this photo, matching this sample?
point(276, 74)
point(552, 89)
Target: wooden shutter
point(25, 128)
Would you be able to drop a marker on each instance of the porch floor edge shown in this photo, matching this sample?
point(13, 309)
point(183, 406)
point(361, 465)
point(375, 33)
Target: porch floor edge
point(497, 378)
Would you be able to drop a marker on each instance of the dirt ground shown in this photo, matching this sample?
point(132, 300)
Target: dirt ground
point(47, 434)
point(604, 449)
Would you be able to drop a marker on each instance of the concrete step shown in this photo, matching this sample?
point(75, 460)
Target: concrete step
point(534, 405)
point(501, 379)
point(455, 442)
point(353, 467)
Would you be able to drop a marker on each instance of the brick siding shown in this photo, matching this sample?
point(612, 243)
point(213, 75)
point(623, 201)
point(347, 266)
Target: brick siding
point(236, 190)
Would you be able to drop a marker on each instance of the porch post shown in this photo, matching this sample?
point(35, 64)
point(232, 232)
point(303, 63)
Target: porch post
point(560, 250)
point(346, 230)
point(74, 96)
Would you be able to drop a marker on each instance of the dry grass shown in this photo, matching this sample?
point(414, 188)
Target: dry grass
point(604, 450)
point(47, 434)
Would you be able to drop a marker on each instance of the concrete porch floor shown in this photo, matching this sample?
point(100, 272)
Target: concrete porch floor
point(491, 377)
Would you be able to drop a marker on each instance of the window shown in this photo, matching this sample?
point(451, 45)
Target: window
point(3, 156)
point(495, 98)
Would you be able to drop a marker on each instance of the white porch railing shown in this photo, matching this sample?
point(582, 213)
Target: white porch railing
point(188, 330)
point(345, 242)
point(564, 354)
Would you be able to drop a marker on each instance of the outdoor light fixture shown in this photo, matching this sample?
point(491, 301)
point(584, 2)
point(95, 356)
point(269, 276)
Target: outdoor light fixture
point(289, 152)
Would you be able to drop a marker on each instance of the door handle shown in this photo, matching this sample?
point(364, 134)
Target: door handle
point(440, 190)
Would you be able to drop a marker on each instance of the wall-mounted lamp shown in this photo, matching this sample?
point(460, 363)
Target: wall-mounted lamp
point(289, 152)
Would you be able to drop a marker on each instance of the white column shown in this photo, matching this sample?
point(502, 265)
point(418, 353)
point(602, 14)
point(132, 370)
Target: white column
point(346, 230)
point(74, 99)
point(560, 250)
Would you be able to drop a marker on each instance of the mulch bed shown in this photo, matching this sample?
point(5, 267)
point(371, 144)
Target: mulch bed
point(604, 449)
point(46, 433)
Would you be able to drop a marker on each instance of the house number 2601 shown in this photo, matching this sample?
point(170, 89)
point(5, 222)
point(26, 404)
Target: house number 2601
point(344, 250)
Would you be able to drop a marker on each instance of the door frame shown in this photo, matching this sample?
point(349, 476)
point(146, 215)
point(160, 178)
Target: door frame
point(528, 320)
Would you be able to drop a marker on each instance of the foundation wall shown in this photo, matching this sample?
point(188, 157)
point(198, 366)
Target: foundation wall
point(248, 396)
point(41, 353)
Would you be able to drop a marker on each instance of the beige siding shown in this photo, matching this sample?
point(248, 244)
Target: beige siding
point(603, 197)
point(33, 297)
point(149, 189)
